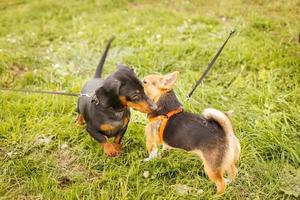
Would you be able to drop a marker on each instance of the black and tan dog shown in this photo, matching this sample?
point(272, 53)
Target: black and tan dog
point(210, 136)
point(104, 104)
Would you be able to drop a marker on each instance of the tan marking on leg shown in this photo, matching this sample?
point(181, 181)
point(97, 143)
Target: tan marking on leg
point(109, 149)
point(231, 156)
point(117, 139)
point(216, 176)
point(237, 150)
point(80, 119)
point(125, 121)
point(149, 138)
point(232, 172)
point(117, 143)
point(213, 172)
point(152, 139)
point(118, 147)
point(232, 169)
point(123, 100)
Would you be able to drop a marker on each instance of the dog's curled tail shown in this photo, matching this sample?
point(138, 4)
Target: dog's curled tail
point(221, 118)
point(102, 59)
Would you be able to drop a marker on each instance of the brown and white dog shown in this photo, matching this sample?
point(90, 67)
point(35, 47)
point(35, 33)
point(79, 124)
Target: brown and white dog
point(209, 135)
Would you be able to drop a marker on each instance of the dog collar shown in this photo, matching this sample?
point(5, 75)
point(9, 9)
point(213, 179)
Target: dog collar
point(93, 97)
point(164, 120)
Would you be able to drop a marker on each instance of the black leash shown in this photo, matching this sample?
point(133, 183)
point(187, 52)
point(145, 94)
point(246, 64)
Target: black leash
point(77, 95)
point(210, 65)
point(41, 92)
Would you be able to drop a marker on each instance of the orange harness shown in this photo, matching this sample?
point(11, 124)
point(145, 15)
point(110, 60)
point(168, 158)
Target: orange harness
point(164, 120)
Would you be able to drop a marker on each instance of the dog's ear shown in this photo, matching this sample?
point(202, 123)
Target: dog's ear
point(108, 94)
point(169, 80)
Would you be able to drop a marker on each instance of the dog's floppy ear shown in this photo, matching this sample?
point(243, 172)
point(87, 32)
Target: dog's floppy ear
point(108, 93)
point(169, 80)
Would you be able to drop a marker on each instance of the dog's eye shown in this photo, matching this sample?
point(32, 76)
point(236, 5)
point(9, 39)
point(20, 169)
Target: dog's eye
point(145, 82)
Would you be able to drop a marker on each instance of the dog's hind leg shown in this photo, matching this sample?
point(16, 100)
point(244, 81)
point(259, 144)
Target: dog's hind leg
point(232, 171)
point(216, 175)
point(231, 158)
point(214, 171)
point(118, 138)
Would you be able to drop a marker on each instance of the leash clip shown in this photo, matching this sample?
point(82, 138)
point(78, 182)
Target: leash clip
point(94, 98)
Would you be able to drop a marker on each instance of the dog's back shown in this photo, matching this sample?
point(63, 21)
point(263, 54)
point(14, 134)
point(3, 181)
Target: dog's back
point(190, 131)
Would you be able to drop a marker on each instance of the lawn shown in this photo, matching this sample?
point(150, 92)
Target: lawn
point(56, 45)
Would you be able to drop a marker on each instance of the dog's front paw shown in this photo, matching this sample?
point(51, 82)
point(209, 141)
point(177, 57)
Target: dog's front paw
point(227, 181)
point(147, 159)
point(153, 154)
point(117, 146)
point(110, 150)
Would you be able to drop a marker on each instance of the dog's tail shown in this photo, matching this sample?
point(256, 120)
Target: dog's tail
point(102, 59)
point(221, 118)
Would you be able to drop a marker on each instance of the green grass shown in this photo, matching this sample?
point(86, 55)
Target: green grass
point(56, 45)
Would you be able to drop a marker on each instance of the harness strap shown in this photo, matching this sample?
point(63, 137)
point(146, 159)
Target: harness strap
point(164, 120)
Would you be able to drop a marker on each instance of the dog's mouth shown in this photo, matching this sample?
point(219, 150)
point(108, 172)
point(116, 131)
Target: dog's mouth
point(142, 106)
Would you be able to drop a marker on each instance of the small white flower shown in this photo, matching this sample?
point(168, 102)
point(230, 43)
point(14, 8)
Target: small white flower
point(146, 174)
point(49, 50)
point(43, 140)
point(199, 191)
point(9, 154)
point(64, 146)
point(56, 65)
point(12, 40)
point(182, 189)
